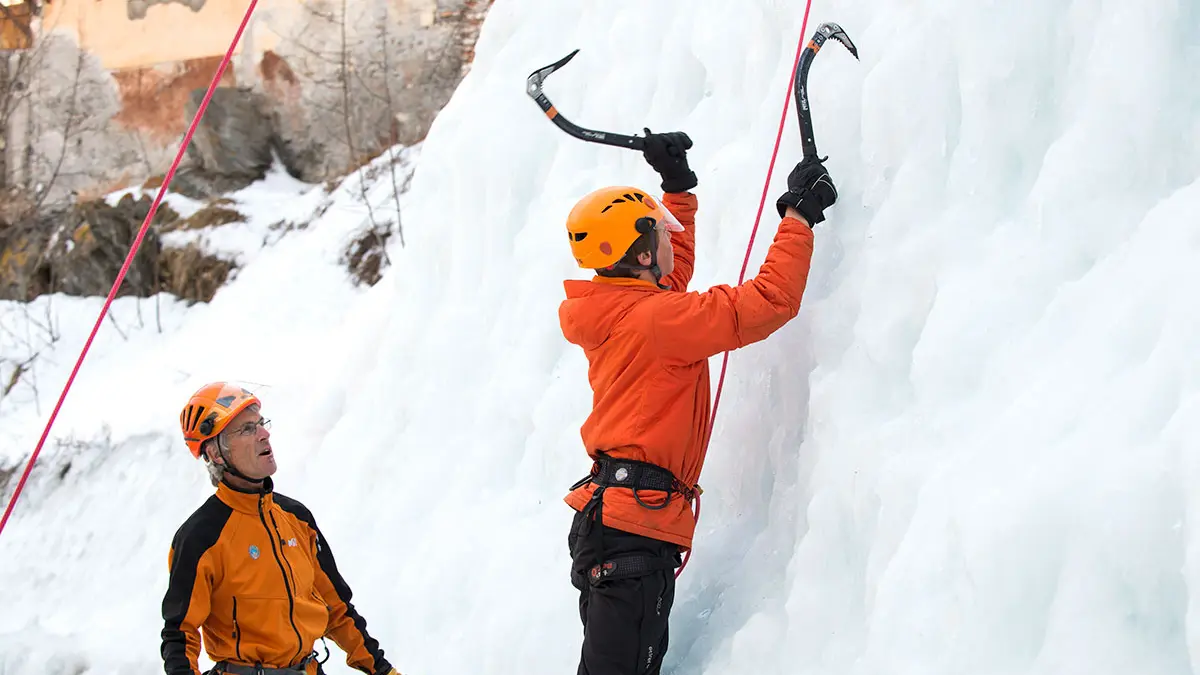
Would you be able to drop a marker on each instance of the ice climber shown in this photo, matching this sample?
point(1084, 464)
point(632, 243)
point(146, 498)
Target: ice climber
point(647, 340)
point(250, 570)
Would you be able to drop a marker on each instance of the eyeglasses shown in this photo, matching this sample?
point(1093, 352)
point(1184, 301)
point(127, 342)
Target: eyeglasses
point(250, 428)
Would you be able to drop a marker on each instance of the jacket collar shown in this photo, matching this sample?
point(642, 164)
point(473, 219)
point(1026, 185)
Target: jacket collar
point(626, 281)
point(246, 501)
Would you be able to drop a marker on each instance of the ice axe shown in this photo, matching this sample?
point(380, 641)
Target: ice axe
point(533, 87)
point(825, 31)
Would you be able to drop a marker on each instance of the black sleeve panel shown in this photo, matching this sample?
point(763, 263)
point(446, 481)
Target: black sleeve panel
point(186, 602)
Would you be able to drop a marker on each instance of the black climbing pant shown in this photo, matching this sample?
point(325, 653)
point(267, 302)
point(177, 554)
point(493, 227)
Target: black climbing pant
point(626, 586)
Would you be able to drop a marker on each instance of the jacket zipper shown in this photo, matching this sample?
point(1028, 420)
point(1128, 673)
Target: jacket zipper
point(286, 584)
point(237, 632)
point(287, 562)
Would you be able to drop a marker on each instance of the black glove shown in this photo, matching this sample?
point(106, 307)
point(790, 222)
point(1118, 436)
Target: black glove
point(667, 154)
point(810, 191)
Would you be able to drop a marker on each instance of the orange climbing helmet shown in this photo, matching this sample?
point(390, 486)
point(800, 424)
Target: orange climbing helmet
point(210, 409)
point(605, 223)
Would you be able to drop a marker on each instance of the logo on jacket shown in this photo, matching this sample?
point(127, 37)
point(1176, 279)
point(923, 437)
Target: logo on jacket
point(253, 551)
point(292, 542)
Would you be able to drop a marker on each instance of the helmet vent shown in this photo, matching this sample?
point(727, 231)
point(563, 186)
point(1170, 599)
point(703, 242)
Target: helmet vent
point(635, 197)
point(577, 236)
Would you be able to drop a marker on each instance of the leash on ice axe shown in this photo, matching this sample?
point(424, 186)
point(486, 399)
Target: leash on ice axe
point(804, 59)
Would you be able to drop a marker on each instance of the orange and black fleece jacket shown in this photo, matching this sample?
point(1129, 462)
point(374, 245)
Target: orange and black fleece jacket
point(253, 574)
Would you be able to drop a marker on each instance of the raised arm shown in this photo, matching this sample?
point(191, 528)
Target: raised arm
point(683, 206)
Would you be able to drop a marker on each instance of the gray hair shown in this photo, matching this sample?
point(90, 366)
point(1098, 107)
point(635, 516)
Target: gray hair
point(215, 471)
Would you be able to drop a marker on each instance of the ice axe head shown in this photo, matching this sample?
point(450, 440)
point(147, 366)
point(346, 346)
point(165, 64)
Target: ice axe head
point(533, 84)
point(832, 31)
point(533, 87)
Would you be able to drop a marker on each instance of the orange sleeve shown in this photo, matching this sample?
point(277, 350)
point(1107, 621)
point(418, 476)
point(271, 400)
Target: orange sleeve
point(186, 606)
point(683, 206)
point(690, 327)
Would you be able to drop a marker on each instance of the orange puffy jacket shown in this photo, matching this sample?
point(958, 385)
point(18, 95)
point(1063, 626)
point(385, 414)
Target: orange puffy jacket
point(252, 572)
point(648, 351)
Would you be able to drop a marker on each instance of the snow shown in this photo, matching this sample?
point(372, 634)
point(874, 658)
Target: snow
point(973, 451)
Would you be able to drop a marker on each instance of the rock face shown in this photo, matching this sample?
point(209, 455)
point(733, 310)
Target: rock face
point(80, 250)
point(24, 275)
point(93, 244)
point(343, 82)
point(332, 91)
point(232, 146)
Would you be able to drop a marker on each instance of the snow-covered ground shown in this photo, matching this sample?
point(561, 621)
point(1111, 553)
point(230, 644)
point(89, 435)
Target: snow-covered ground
point(975, 451)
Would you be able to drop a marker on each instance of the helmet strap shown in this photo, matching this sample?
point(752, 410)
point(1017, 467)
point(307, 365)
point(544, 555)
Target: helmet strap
point(230, 468)
point(653, 267)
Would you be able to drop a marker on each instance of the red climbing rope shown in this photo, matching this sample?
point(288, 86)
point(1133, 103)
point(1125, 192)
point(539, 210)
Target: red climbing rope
point(753, 234)
point(137, 242)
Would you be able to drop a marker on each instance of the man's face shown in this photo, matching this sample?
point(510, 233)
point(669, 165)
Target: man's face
point(250, 444)
point(666, 253)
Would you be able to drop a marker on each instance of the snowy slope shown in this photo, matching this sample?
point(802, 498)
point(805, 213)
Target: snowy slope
point(974, 451)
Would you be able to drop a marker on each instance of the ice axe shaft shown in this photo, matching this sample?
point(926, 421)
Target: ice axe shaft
point(826, 31)
point(533, 87)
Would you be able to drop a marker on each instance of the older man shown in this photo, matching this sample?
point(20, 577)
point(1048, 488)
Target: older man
point(250, 569)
